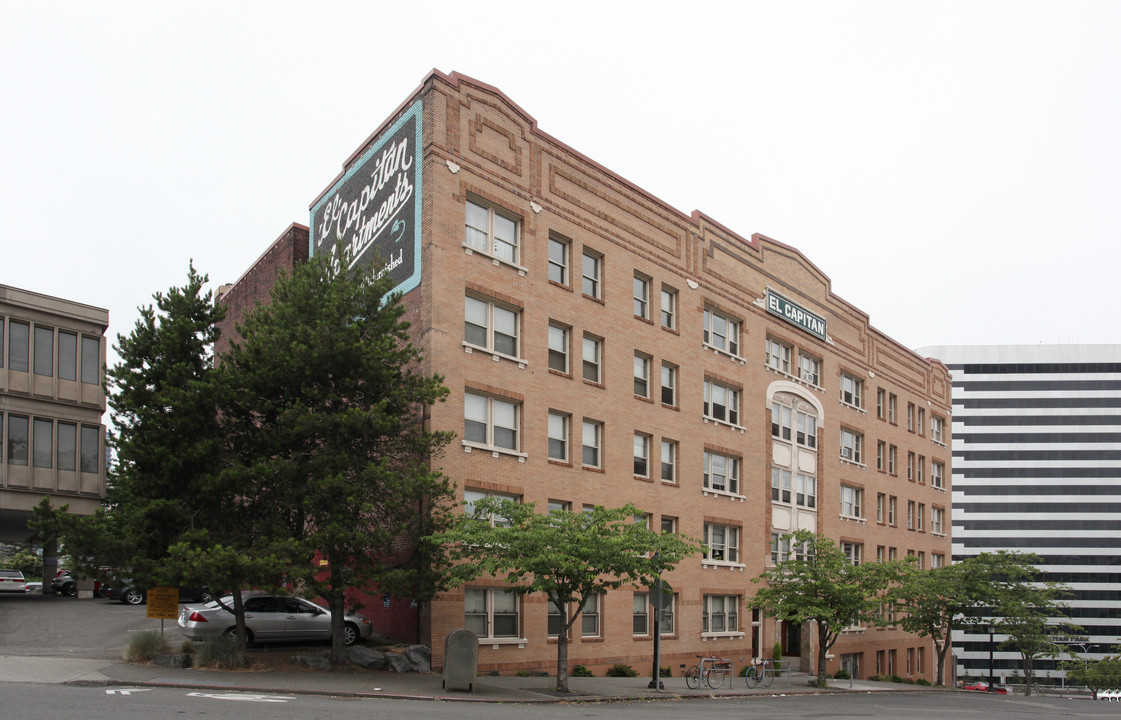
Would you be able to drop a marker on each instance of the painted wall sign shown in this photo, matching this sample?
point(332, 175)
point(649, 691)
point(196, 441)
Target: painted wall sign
point(795, 314)
point(374, 210)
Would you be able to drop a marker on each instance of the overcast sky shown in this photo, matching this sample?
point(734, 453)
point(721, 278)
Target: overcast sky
point(953, 167)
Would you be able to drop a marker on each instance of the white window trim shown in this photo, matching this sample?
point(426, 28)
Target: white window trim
point(706, 491)
point(492, 209)
point(494, 450)
point(739, 406)
point(739, 336)
point(707, 562)
point(491, 303)
point(495, 642)
point(858, 384)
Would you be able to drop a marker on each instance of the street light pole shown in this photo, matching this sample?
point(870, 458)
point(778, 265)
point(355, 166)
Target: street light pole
point(992, 630)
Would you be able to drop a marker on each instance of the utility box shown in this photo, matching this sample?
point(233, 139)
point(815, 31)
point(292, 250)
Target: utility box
point(461, 660)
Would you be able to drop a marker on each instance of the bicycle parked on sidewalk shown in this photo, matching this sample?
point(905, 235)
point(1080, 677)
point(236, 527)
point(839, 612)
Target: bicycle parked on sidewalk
point(760, 672)
point(711, 671)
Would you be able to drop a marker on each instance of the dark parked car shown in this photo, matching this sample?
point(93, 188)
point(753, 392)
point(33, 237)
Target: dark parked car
point(138, 596)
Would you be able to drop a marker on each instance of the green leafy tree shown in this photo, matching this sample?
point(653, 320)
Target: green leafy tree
point(1097, 674)
point(1027, 614)
point(325, 418)
point(935, 602)
point(820, 584)
point(569, 556)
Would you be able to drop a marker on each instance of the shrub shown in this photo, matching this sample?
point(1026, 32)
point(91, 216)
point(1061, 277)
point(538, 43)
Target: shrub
point(922, 681)
point(494, 673)
point(817, 682)
point(621, 670)
point(842, 674)
point(776, 655)
point(524, 673)
point(581, 671)
point(187, 647)
point(143, 647)
point(222, 653)
point(664, 671)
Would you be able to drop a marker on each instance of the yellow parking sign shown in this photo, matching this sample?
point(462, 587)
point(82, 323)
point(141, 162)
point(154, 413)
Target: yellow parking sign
point(163, 603)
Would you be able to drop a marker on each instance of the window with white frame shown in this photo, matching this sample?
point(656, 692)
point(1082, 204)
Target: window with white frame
point(669, 308)
point(807, 428)
point(920, 517)
point(722, 543)
point(592, 440)
point(910, 514)
point(558, 436)
point(641, 375)
point(721, 332)
point(852, 446)
point(593, 359)
point(881, 506)
point(640, 624)
point(558, 260)
point(854, 552)
point(490, 421)
point(641, 296)
point(937, 560)
point(892, 502)
point(491, 232)
point(491, 613)
point(556, 619)
point(472, 497)
point(937, 516)
point(558, 348)
point(592, 270)
point(722, 403)
point(805, 490)
point(852, 388)
point(782, 421)
point(852, 501)
point(937, 425)
point(669, 384)
point(669, 460)
point(720, 614)
point(809, 369)
point(921, 422)
point(937, 475)
point(779, 355)
point(920, 469)
point(641, 455)
point(892, 452)
point(589, 616)
point(910, 417)
point(881, 448)
point(910, 466)
point(892, 401)
point(781, 485)
point(491, 326)
point(722, 473)
point(780, 547)
point(881, 404)
point(556, 507)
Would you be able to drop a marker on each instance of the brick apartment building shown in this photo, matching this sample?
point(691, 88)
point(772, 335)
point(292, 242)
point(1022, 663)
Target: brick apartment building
point(602, 347)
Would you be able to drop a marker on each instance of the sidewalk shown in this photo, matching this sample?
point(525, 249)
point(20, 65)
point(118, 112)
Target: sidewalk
point(415, 686)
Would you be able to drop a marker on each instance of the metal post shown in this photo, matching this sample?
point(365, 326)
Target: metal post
point(992, 629)
point(656, 683)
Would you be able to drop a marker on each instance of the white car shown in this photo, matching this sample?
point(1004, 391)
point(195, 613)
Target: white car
point(12, 581)
point(270, 618)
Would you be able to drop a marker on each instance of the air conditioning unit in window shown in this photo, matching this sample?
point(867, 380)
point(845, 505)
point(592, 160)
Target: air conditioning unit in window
point(846, 453)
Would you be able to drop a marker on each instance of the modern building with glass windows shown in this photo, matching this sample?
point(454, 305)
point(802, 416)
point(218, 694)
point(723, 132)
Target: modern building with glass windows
point(1037, 469)
point(603, 347)
point(52, 355)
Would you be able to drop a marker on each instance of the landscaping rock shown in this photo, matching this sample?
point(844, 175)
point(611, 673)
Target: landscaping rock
point(420, 656)
point(365, 657)
point(397, 663)
point(318, 661)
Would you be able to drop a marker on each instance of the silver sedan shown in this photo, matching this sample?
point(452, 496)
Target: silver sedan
point(270, 618)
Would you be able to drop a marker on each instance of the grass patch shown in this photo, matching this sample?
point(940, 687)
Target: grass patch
point(220, 653)
point(143, 647)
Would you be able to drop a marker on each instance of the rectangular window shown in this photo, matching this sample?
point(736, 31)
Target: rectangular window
point(491, 613)
point(665, 623)
point(2, 342)
point(556, 621)
point(471, 497)
point(640, 624)
point(721, 332)
point(851, 390)
point(780, 548)
point(558, 348)
point(937, 425)
point(807, 429)
point(491, 326)
point(920, 469)
point(920, 516)
point(589, 617)
point(910, 514)
point(852, 499)
point(593, 359)
point(91, 449)
point(854, 552)
point(722, 543)
point(892, 501)
point(558, 260)
point(782, 422)
point(852, 446)
point(881, 505)
point(44, 351)
point(490, 421)
point(809, 369)
point(937, 560)
point(910, 417)
point(67, 356)
point(491, 232)
point(720, 613)
point(881, 448)
point(592, 438)
point(559, 506)
point(91, 360)
point(781, 481)
point(19, 337)
point(558, 436)
point(937, 515)
point(641, 296)
point(42, 447)
point(641, 455)
point(669, 384)
point(722, 403)
point(910, 466)
point(892, 452)
point(805, 487)
point(592, 270)
point(937, 475)
point(669, 308)
point(669, 461)
point(892, 401)
point(881, 404)
point(641, 375)
point(67, 446)
point(722, 473)
point(921, 422)
point(778, 355)
point(18, 439)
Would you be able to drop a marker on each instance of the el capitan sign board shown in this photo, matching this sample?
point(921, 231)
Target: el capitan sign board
point(795, 314)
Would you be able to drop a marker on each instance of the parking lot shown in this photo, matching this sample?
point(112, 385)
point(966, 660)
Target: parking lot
point(32, 624)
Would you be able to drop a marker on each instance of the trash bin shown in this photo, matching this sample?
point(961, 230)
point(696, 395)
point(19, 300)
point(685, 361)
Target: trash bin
point(461, 660)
